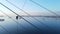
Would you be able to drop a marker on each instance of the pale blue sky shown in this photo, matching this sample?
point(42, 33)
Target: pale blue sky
point(32, 8)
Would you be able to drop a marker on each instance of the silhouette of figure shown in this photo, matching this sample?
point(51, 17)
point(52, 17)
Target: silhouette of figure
point(17, 17)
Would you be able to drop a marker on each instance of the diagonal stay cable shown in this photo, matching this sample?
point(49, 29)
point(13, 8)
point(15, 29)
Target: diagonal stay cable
point(44, 7)
point(13, 20)
point(28, 14)
point(22, 17)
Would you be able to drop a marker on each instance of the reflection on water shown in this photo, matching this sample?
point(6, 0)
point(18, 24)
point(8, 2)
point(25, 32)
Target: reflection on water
point(46, 25)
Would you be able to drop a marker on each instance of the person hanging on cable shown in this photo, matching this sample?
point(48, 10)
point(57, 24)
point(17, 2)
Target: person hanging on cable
point(17, 17)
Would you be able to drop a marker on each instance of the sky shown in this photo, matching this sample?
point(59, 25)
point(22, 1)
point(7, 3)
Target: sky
point(31, 8)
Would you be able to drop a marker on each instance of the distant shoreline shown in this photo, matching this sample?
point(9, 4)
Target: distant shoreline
point(1, 16)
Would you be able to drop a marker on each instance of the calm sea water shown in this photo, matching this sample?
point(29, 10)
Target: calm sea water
point(20, 26)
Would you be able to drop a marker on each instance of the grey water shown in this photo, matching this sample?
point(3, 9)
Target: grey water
point(46, 26)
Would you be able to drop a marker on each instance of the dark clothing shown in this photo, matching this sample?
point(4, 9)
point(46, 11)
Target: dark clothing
point(17, 17)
